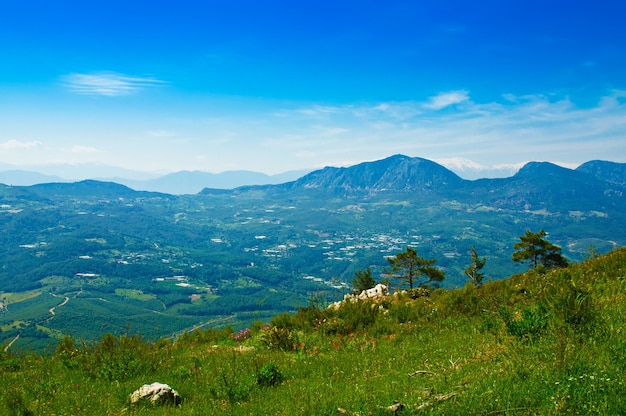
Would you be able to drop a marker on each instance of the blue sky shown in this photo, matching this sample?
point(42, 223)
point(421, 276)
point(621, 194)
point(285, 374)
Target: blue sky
point(275, 86)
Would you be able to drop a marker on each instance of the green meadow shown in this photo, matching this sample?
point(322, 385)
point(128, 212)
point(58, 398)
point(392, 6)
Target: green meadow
point(545, 342)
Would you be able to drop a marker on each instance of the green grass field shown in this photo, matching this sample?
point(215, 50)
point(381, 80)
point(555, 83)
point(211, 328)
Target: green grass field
point(539, 343)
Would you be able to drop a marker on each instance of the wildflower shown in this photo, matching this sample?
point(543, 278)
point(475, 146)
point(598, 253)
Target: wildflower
point(242, 335)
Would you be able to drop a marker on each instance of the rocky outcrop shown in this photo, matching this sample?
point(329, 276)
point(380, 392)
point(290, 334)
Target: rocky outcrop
point(377, 291)
point(156, 393)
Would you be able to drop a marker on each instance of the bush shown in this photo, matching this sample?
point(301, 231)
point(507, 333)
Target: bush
point(571, 304)
point(527, 324)
point(404, 312)
point(269, 375)
point(465, 301)
point(357, 316)
point(120, 358)
point(279, 338)
point(233, 389)
point(418, 292)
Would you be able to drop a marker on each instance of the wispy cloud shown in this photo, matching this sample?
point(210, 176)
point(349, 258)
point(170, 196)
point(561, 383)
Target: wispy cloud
point(16, 144)
point(109, 84)
point(512, 130)
point(488, 135)
point(446, 99)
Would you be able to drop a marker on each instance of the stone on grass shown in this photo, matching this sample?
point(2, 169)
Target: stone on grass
point(156, 393)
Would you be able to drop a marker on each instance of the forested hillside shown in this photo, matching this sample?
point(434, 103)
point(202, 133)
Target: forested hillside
point(90, 257)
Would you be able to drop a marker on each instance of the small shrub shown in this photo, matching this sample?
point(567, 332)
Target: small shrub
point(235, 390)
point(527, 324)
point(269, 375)
point(285, 320)
point(333, 326)
point(66, 350)
point(418, 292)
point(465, 301)
point(120, 358)
point(358, 316)
point(404, 312)
point(279, 338)
point(571, 304)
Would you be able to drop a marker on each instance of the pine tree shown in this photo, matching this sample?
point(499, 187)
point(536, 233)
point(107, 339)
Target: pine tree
point(538, 251)
point(473, 270)
point(408, 266)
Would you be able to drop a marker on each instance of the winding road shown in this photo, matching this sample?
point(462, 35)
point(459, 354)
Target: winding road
point(51, 310)
point(11, 343)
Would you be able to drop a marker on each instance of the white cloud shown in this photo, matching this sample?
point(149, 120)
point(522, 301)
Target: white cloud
point(507, 132)
point(460, 163)
point(16, 144)
point(446, 99)
point(108, 84)
point(510, 166)
point(492, 134)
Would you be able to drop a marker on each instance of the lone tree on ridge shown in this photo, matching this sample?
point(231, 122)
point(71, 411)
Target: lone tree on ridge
point(408, 266)
point(473, 270)
point(534, 249)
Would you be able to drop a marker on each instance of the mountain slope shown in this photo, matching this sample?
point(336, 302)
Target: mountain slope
point(397, 173)
point(90, 189)
point(611, 172)
point(536, 186)
point(543, 185)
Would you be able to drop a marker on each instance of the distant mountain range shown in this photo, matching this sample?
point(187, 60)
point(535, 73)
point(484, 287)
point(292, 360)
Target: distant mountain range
point(191, 182)
point(178, 183)
point(536, 185)
point(164, 262)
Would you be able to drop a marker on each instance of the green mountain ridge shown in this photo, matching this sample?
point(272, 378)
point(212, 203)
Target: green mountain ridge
point(162, 264)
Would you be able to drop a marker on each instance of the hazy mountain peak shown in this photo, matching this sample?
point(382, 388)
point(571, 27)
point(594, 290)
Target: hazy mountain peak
point(395, 173)
point(611, 172)
point(541, 168)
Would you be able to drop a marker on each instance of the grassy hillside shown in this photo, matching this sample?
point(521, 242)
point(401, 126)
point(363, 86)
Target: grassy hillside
point(539, 343)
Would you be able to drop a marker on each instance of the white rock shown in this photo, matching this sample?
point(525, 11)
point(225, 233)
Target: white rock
point(156, 393)
point(377, 291)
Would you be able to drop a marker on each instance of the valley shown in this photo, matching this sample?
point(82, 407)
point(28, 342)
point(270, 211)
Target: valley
point(158, 264)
